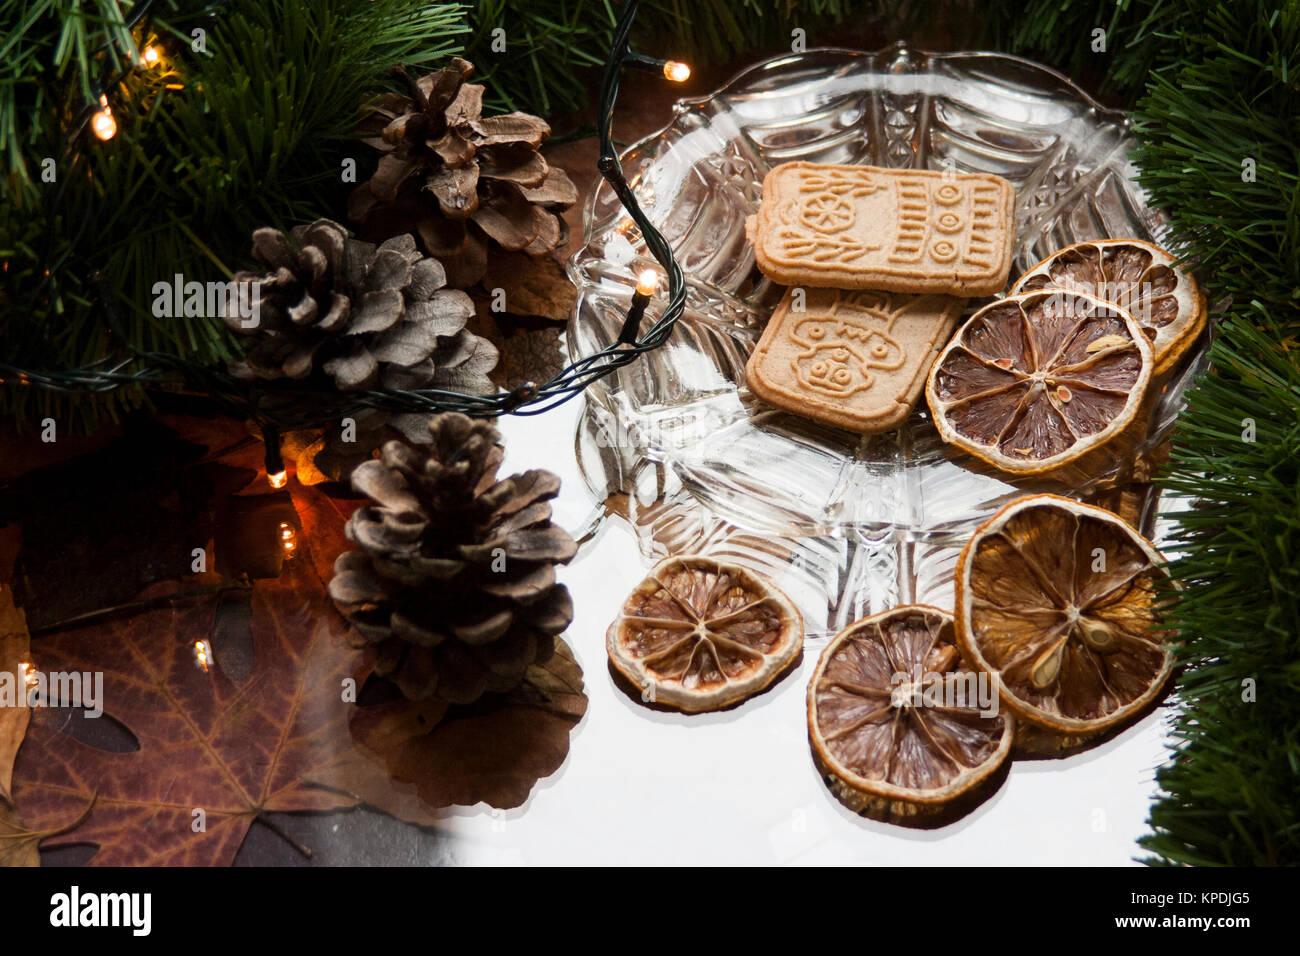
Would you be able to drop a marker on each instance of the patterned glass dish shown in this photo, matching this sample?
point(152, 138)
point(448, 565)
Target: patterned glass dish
point(847, 525)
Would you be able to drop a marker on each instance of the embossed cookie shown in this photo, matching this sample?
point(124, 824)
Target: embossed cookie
point(857, 360)
point(903, 230)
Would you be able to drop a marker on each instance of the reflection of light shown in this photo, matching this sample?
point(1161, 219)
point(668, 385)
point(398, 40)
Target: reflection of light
point(201, 658)
point(288, 538)
point(677, 71)
point(150, 57)
point(103, 124)
point(647, 282)
point(279, 479)
point(27, 675)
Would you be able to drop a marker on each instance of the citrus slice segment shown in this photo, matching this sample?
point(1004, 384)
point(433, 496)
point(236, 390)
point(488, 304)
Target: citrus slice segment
point(1138, 277)
point(698, 634)
point(896, 720)
point(1059, 600)
point(1037, 380)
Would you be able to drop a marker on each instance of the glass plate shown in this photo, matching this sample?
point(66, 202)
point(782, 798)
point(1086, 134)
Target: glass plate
point(847, 524)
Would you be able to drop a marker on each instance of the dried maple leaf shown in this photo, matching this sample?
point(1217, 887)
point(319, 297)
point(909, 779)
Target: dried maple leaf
point(19, 846)
point(15, 651)
point(206, 743)
point(17, 843)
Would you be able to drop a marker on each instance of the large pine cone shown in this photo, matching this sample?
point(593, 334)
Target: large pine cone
point(455, 577)
point(459, 179)
point(358, 315)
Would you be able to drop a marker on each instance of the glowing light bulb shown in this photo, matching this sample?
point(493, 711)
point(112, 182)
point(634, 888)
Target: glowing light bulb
point(29, 679)
point(647, 282)
point(677, 71)
point(150, 57)
point(278, 479)
point(201, 658)
point(102, 123)
point(288, 538)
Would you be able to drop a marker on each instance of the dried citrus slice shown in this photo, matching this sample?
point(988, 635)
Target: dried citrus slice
point(1138, 277)
point(698, 634)
point(895, 718)
point(1034, 381)
point(1058, 599)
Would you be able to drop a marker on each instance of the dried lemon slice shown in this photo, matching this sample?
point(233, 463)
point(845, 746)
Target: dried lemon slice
point(1138, 277)
point(896, 720)
point(1034, 381)
point(1058, 599)
point(698, 634)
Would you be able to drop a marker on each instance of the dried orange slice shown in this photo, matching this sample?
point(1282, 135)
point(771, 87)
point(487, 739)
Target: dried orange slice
point(1138, 277)
point(1037, 380)
point(895, 718)
point(698, 634)
point(1058, 599)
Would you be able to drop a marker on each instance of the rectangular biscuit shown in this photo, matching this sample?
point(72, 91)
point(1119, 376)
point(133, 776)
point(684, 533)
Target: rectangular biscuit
point(856, 360)
point(902, 230)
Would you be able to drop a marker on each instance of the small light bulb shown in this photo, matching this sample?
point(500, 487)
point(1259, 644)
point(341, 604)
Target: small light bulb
point(288, 538)
point(647, 282)
point(677, 71)
point(279, 479)
point(150, 57)
point(103, 124)
point(201, 655)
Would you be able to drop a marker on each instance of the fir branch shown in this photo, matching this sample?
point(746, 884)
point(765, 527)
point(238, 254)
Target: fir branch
point(1231, 789)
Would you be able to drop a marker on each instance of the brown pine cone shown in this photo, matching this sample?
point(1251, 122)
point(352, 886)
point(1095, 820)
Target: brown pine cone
point(454, 581)
point(358, 316)
point(458, 179)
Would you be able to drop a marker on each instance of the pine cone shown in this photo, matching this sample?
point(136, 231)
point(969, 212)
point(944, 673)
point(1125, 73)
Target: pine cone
point(359, 315)
point(459, 179)
point(455, 579)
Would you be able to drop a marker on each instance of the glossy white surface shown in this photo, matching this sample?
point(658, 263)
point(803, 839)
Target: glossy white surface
point(647, 787)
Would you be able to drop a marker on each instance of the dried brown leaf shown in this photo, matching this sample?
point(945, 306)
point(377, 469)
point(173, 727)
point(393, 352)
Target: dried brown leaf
point(234, 750)
point(533, 285)
point(15, 651)
point(17, 843)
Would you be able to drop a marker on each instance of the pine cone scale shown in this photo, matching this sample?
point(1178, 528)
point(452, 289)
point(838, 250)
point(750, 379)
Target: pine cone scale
point(352, 313)
point(445, 168)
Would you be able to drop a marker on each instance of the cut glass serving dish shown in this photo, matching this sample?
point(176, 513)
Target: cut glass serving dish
point(846, 524)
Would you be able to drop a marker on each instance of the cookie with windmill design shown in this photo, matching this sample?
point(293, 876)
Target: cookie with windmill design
point(855, 360)
point(901, 230)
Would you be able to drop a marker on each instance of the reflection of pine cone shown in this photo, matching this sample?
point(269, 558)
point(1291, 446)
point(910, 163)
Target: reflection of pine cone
point(364, 316)
point(458, 178)
point(455, 579)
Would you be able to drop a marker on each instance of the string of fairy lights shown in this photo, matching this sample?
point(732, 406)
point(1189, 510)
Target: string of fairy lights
point(282, 406)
